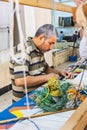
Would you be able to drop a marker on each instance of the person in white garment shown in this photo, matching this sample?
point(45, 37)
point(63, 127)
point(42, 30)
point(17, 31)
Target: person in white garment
point(81, 20)
point(78, 2)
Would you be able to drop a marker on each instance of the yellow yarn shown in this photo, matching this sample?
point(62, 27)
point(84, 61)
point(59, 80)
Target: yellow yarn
point(52, 85)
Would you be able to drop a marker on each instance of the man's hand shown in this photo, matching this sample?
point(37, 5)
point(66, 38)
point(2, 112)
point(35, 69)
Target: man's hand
point(66, 74)
point(78, 2)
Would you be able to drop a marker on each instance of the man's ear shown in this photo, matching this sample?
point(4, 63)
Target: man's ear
point(41, 37)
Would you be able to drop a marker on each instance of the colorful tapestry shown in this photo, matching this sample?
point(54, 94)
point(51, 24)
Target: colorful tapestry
point(66, 21)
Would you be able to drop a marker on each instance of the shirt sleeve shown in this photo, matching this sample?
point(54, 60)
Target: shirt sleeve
point(22, 69)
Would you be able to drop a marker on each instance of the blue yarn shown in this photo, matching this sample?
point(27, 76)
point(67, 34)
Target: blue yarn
point(35, 124)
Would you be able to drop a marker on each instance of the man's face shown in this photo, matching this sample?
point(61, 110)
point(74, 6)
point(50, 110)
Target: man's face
point(47, 44)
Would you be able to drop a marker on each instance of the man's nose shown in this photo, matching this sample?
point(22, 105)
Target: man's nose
point(51, 46)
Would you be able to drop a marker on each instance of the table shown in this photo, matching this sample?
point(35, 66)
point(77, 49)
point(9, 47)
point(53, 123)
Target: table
point(48, 122)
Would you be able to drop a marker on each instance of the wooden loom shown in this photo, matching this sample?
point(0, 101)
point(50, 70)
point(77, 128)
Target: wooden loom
point(78, 121)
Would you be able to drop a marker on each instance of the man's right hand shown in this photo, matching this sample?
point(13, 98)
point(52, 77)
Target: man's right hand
point(51, 75)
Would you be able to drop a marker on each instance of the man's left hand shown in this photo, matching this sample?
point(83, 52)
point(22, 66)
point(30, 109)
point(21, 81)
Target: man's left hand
point(66, 74)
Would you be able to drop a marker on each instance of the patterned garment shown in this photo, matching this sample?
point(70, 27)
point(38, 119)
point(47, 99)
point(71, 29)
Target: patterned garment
point(35, 65)
point(83, 48)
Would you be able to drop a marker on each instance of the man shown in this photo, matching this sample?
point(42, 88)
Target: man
point(60, 36)
point(75, 36)
point(37, 71)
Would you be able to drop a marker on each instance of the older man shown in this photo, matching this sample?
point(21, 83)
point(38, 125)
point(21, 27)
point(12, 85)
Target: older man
point(37, 71)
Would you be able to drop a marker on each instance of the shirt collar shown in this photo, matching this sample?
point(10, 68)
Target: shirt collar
point(34, 46)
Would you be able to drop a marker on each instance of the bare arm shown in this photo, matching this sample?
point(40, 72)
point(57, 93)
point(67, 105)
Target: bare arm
point(35, 80)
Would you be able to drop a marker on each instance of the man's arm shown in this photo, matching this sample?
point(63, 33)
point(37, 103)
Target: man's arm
point(59, 72)
point(34, 80)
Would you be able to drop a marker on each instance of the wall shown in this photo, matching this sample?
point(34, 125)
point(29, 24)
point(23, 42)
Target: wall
point(35, 17)
point(4, 25)
point(29, 15)
point(4, 14)
point(42, 16)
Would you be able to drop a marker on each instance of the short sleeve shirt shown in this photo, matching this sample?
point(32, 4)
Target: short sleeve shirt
point(34, 65)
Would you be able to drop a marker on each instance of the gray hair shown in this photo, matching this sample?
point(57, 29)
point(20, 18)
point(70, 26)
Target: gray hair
point(47, 29)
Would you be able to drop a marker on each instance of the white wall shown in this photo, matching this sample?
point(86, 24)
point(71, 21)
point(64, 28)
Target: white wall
point(29, 14)
point(4, 14)
point(35, 17)
point(42, 16)
point(4, 24)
